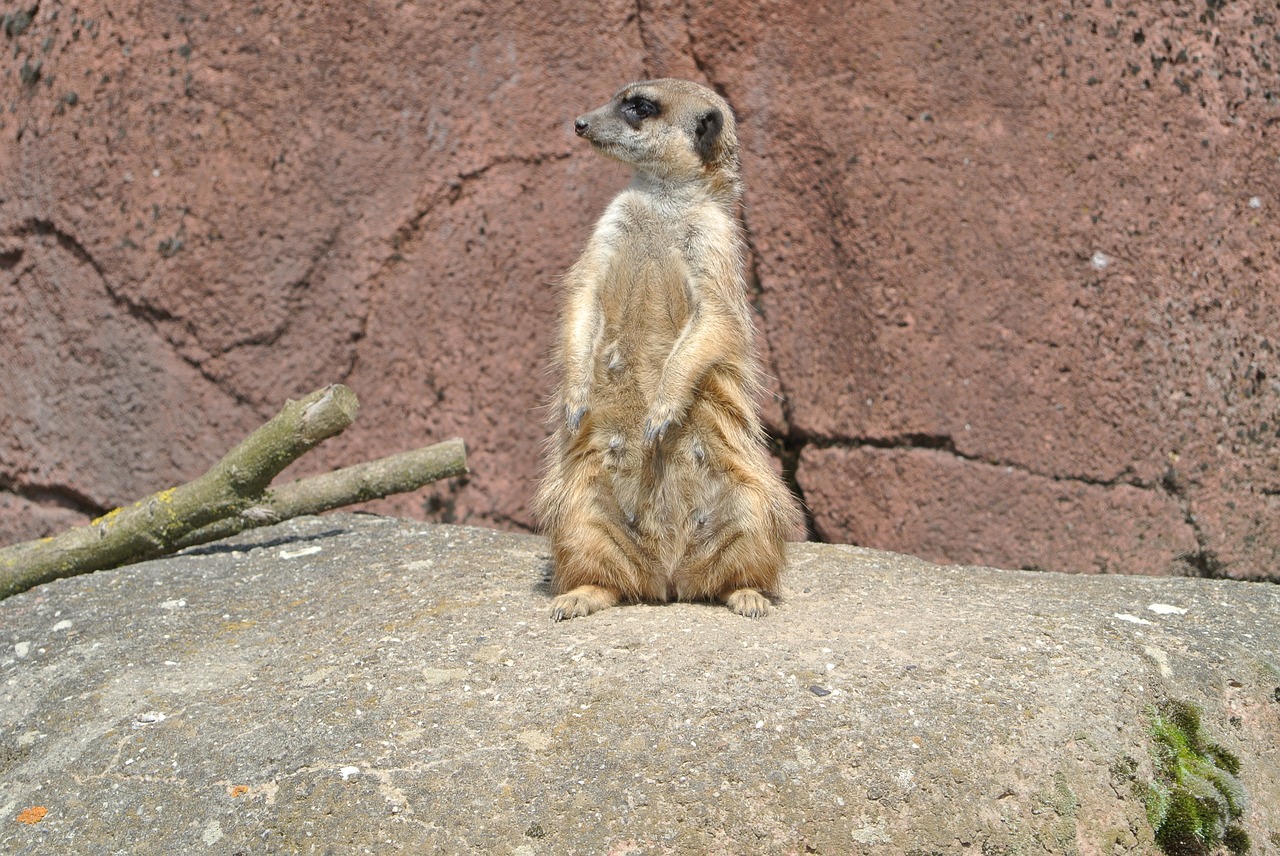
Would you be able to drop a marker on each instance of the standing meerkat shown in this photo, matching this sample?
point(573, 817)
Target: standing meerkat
point(657, 486)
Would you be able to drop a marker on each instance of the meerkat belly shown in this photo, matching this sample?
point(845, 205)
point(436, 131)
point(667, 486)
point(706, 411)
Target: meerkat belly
point(645, 308)
point(645, 305)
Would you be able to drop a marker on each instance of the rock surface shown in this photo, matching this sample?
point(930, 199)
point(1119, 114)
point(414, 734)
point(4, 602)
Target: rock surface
point(360, 684)
point(1001, 250)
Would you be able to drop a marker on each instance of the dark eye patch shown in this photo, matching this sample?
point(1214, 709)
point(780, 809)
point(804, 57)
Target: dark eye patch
point(637, 108)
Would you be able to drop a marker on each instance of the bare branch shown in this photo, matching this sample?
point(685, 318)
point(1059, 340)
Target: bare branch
point(152, 526)
point(400, 473)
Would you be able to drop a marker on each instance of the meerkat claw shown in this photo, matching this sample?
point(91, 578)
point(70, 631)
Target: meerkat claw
point(583, 600)
point(655, 428)
point(573, 416)
point(748, 602)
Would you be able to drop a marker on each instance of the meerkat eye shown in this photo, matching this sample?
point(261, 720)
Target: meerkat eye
point(637, 108)
point(644, 108)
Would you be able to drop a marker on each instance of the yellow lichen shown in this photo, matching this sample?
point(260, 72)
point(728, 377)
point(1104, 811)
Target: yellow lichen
point(106, 517)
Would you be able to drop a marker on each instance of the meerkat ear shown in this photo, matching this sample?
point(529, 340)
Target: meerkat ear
point(705, 136)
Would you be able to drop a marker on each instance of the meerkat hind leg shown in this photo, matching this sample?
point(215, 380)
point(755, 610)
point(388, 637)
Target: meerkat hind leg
point(583, 600)
point(734, 563)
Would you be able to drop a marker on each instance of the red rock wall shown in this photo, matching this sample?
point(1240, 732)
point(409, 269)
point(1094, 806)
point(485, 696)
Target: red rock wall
point(1014, 264)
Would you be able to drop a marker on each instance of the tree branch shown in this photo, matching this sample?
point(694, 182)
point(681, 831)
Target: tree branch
point(400, 473)
point(152, 526)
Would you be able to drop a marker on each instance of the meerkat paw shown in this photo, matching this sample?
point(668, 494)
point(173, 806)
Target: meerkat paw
point(573, 413)
point(658, 422)
point(748, 602)
point(581, 601)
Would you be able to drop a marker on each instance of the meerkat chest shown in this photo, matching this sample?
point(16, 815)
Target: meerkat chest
point(650, 286)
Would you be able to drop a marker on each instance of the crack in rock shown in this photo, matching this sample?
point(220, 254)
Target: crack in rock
point(1202, 562)
point(447, 193)
point(54, 496)
point(152, 316)
point(785, 444)
point(946, 443)
point(41, 227)
point(646, 48)
point(694, 56)
point(450, 191)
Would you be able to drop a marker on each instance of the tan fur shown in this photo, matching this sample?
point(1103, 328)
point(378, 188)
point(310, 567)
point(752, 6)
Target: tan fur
point(657, 486)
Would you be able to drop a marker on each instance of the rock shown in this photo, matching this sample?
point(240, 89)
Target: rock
point(930, 502)
point(351, 683)
point(1034, 244)
point(930, 189)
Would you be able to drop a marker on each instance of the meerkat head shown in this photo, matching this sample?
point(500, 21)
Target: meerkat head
point(675, 130)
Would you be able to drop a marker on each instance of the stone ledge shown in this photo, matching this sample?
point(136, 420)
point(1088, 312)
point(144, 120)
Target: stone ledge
point(352, 683)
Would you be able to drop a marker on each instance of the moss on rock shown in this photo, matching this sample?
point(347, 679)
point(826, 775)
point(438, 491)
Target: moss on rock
point(1196, 798)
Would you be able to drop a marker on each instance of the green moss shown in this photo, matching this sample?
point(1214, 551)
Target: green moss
point(1196, 798)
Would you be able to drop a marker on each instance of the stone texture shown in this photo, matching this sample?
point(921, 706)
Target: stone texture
point(353, 683)
point(928, 501)
point(1027, 240)
point(1032, 236)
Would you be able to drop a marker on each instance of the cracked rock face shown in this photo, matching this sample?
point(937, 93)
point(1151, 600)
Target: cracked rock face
point(1014, 269)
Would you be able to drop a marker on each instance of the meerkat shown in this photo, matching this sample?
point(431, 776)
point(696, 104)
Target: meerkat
point(657, 485)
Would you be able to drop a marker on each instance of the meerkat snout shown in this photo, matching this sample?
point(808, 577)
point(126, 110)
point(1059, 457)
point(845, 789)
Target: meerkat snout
point(581, 126)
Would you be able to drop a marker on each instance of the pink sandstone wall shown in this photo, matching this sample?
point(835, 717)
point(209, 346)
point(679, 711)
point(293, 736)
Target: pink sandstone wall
point(1014, 265)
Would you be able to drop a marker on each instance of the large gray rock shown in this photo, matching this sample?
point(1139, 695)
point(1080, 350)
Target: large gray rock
point(361, 684)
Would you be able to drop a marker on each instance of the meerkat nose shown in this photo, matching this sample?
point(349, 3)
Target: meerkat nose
point(581, 126)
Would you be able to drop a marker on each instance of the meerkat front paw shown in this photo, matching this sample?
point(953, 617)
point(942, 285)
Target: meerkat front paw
point(660, 419)
point(581, 601)
point(748, 602)
point(575, 408)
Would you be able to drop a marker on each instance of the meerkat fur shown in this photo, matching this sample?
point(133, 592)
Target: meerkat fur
point(657, 486)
